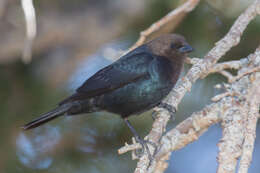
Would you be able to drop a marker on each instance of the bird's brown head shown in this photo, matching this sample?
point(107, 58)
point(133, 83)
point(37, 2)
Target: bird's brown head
point(171, 46)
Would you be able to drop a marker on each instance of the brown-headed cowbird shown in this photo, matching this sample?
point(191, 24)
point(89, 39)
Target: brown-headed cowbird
point(135, 83)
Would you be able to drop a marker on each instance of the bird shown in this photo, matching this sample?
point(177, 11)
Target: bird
point(135, 83)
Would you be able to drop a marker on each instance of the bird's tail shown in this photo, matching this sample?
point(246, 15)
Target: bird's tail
point(44, 118)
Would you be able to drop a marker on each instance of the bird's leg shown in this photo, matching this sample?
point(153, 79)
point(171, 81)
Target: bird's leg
point(140, 140)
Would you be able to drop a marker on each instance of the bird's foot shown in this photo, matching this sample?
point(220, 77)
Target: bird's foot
point(171, 109)
point(154, 114)
point(144, 143)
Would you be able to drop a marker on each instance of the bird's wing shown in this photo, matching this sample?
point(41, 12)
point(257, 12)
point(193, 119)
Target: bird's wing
point(129, 68)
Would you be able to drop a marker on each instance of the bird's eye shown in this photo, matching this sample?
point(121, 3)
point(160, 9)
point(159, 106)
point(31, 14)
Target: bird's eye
point(175, 46)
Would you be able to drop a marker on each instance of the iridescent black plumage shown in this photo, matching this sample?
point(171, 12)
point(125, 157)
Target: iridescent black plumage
point(135, 83)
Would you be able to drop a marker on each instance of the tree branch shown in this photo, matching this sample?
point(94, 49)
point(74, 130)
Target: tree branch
point(198, 70)
point(238, 123)
point(173, 18)
point(252, 105)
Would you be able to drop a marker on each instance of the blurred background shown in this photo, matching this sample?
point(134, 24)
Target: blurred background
point(74, 40)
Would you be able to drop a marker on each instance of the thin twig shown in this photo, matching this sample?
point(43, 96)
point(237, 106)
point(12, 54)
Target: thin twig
point(30, 18)
point(221, 96)
point(176, 16)
point(228, 75)
point(192, 61)
point(256, 69)
point(219, 67)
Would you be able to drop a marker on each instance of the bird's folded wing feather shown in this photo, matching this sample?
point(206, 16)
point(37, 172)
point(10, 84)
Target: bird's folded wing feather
point(129, 68)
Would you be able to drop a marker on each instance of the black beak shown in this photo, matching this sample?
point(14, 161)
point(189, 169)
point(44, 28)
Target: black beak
point(186, 49)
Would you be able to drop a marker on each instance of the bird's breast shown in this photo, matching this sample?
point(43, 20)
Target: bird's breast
point(145, 93)
point(136, 97)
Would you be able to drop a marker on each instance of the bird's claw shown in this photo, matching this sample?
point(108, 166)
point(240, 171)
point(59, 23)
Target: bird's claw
point(171, 109)
point(154, 115)
point(140, 153)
